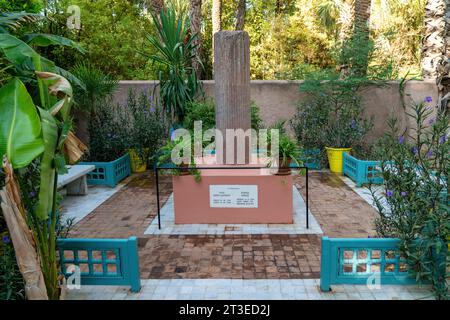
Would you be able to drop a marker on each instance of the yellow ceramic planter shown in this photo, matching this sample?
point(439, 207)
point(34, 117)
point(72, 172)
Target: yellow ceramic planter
point(335, 158)
point(137, 164)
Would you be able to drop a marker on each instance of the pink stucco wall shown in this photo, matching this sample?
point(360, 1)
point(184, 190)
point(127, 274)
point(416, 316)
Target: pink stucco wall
point(278, 99)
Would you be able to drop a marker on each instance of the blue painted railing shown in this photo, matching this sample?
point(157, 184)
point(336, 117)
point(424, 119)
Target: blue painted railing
point(109, 173)
point(102, 261)
point(361, 171)
point(354, 261)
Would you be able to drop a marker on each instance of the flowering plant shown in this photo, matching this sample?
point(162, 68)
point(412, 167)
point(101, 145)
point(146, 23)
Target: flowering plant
point(414, 205)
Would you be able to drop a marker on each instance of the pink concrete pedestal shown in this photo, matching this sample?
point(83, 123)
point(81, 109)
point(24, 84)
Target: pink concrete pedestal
point(192, 199)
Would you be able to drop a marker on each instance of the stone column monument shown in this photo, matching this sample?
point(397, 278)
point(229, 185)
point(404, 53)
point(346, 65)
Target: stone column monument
point(232, 87)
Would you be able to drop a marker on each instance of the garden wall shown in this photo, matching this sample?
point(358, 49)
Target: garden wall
point(278, 99)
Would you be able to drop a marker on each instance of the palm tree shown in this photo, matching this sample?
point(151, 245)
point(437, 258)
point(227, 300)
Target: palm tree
point(361, 33)
point(216, 16)
point(195, 14)
point(436, 49)
point(240, 15)
point(434, 42)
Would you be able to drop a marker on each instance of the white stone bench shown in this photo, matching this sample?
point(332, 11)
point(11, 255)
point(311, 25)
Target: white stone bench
point(75, 180)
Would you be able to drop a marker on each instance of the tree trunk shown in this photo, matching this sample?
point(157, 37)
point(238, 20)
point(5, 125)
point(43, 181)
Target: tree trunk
point(156, 5)
point(216, 16)
point(436, 49)
point(346, 19)
point(22, 237)
point(240, 15)
point(216, 22)
point(361, 30)
point(433, 44)
point(195, 15)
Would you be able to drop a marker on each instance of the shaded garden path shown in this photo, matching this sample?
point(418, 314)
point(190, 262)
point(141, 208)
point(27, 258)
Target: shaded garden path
point(337, 208)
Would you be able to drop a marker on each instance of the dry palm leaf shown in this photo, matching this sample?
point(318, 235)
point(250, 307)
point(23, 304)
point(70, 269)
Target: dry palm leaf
point(22, 238)
point(74, 148)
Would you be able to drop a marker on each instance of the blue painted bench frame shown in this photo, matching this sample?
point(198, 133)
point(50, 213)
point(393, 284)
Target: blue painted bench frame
point(98, 252)
point(333, 261)
point(109, 173)
point(361, 171)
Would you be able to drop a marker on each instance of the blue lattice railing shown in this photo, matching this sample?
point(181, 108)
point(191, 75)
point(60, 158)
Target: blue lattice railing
point(101, 261)
point(109, 173)
point(361, 171)
point(354, 261)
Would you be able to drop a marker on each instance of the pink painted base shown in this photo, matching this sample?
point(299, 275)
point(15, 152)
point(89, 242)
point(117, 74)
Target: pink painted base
point(192, 203)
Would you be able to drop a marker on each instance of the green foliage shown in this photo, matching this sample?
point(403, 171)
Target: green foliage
point(146, 125)
point(97, 86)
point(107, 134)
point(200, 111)
point(205, 111)
point(19, 114)
point(256, 121)
point(12, 286)
point(112, 32)
point(34, 6)
point(175, 52)
point(332, 116)
point(166, 153)
point(415, 203)
point(288, 150)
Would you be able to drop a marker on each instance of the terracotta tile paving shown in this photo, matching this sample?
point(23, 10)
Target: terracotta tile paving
point(126, 213)
point(339, 211)
point(231, 256)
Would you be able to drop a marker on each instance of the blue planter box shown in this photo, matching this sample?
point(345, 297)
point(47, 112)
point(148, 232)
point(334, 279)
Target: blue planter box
point(361, 171)
point(312, 159)
point(109, 173)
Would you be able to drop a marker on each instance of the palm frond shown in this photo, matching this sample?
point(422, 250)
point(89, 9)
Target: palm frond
point(11, 21)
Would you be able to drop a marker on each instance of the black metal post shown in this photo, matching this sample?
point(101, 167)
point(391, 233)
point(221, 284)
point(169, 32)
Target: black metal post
point(307, 199)
point(157, 196)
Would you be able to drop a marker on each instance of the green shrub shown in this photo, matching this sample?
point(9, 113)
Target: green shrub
point(146, 125)
point(200, 111)
point(205, 111)
point(12, 286)
point(332, 116)
point(414, 206)
point(107, 135)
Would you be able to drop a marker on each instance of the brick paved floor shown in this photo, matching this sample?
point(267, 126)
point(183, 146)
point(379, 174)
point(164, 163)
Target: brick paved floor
point(128, 212)
point(337, 208)
point(340, 211)
point(231, 256)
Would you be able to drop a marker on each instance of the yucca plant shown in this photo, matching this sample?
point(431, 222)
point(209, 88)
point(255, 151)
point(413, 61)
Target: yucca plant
point(175, 53)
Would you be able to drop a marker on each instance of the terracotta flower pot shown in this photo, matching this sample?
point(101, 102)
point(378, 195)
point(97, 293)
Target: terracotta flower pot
point(283, 169)
point(184, 171)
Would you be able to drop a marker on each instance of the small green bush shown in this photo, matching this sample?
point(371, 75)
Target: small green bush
point(205, 111)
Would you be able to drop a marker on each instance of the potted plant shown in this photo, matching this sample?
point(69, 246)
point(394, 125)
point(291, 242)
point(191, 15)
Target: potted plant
point(145, 125)
point(289, 152)
point(165, 158)
point(108, 146)
point(344, 130)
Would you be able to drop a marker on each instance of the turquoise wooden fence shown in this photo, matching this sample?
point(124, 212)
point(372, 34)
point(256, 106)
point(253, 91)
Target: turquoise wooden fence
point(361, 171)
point(109, 173)
point(354, 261)
point(102, 261)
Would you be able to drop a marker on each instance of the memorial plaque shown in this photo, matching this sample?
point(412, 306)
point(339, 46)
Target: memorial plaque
point(233, 196)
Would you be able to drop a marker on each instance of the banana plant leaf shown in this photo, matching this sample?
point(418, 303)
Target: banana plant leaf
point(58, 87)
point(15, 50)
point(20, 126)
point(50, 134)
point(44, 40)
